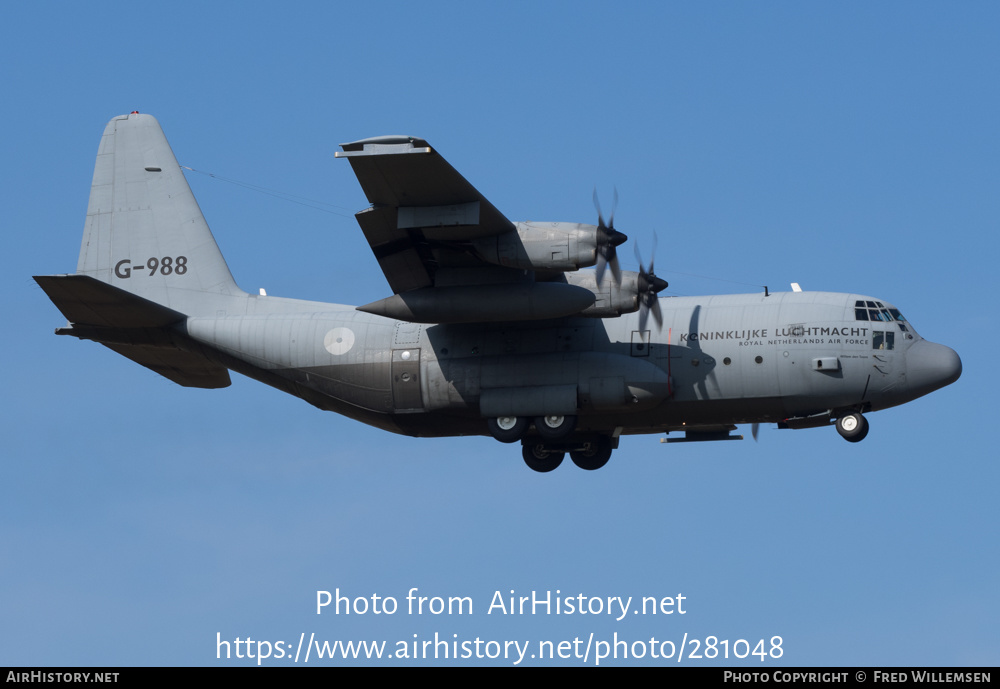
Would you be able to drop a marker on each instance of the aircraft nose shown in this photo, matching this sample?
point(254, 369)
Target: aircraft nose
point(930, 366)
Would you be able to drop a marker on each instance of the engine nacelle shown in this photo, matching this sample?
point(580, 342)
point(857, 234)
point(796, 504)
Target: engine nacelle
point(542, 246)
point(610, 300)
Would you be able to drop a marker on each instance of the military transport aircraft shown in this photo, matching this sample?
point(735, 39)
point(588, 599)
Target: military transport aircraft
point(491, 328)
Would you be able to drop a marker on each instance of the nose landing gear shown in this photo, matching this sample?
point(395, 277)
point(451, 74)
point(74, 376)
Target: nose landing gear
point(852, 427)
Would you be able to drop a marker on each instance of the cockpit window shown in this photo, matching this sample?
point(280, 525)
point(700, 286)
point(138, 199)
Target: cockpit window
point(876, 311)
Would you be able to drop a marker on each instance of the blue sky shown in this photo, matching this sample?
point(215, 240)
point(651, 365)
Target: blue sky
point(849, 147)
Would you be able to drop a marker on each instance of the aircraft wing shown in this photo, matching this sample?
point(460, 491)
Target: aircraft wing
point(449, 255)
point(422, 211)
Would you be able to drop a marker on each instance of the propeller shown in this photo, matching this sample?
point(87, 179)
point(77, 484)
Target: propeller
point(648, 286)
point(608, 239)
point(754, 430)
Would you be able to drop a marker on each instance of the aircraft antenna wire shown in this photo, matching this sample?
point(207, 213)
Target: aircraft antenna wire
point(283, 195)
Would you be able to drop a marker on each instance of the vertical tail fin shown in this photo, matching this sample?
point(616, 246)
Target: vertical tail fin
point(145, 233)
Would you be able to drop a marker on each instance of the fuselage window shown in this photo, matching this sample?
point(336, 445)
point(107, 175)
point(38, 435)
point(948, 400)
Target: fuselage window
point(883, 339)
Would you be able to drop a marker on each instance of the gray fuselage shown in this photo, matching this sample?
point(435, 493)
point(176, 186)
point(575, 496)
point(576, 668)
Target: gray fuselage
point(724, 359)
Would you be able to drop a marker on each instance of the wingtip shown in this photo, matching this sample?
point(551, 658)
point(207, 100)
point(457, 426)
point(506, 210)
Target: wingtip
point(386, 140)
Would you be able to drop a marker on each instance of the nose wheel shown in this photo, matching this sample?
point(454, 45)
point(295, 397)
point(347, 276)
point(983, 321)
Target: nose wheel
point(853, 427)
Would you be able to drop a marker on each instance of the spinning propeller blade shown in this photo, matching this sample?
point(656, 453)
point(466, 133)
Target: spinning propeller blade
point(608, 240)
point(648, 287)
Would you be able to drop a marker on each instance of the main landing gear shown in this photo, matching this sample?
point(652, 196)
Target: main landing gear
point(587, 454)
point(546, 450)
point(852, 427)
point(508, 429)
point(553, 428)
point(594, 455)
point(540, 459)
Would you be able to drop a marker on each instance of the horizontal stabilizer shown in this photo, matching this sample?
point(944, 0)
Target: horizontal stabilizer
point(184, 368)
point(87, 301)
point(136, 328)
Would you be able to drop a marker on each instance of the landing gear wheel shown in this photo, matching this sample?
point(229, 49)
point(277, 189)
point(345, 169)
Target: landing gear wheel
point(540, 459)
point(554, 427)
point(593, 458)
point(853, 427)
point(507, 429)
